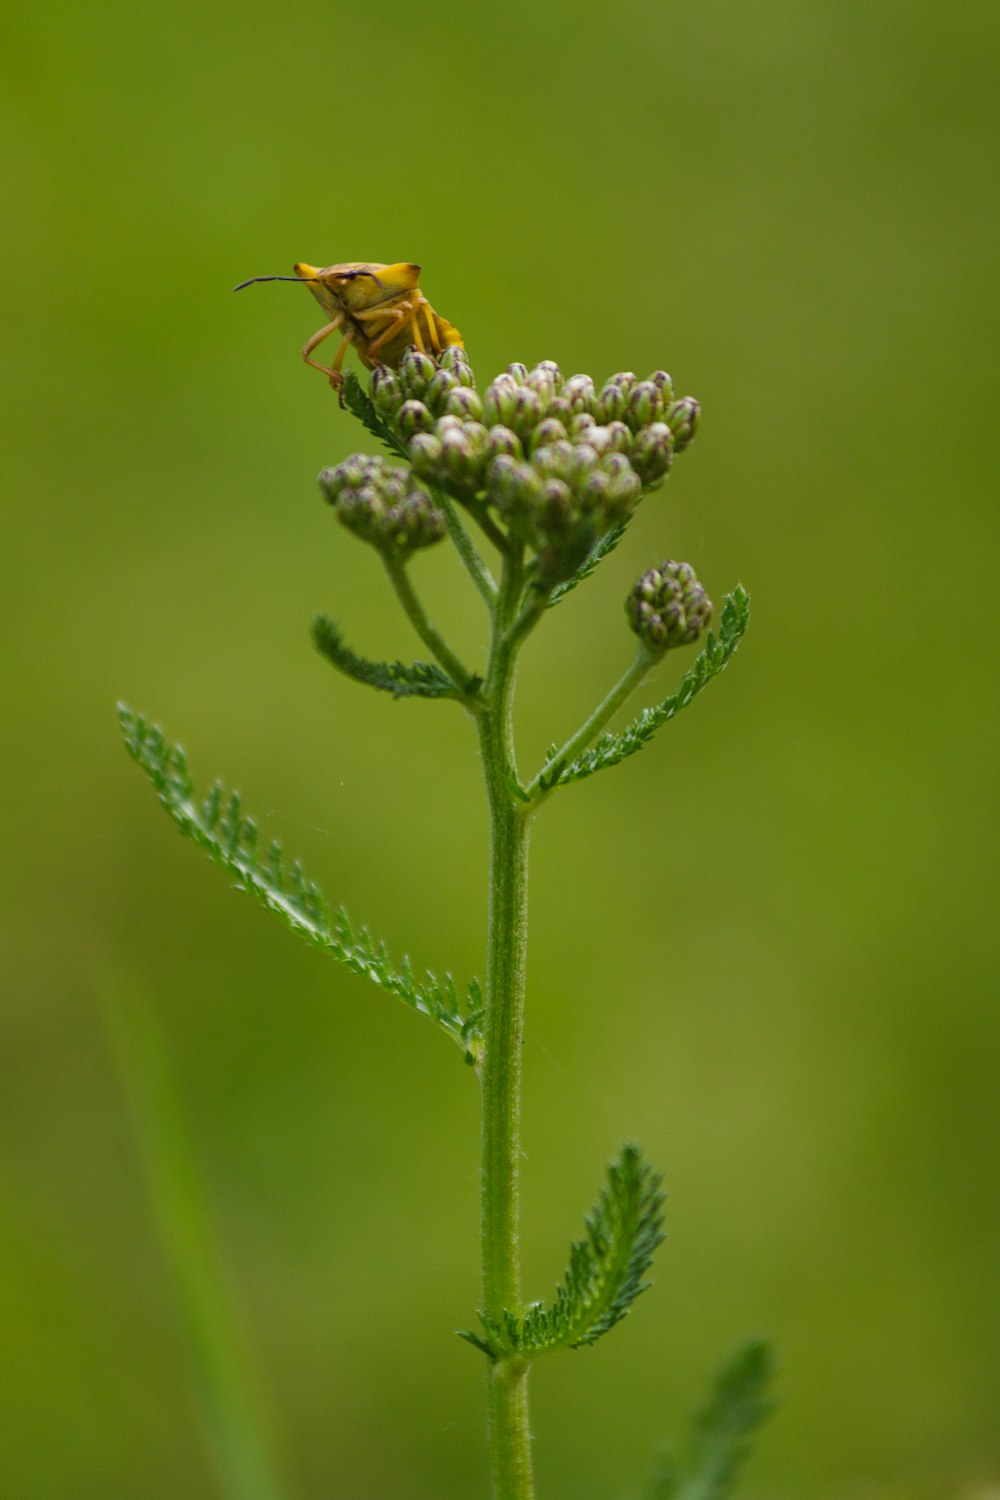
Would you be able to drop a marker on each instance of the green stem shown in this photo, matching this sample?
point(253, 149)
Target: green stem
point(428, 632)
point(500, 1065)
point(622, 690)
point(466, 548)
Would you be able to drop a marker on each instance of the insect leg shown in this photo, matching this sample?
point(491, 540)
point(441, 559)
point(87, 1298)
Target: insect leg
point(317, 338)
point(396, 316)
point(431, 320)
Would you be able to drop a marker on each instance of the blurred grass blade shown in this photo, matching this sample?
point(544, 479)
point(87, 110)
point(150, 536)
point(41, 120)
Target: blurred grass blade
point(230, 1404)
point(720, 1439)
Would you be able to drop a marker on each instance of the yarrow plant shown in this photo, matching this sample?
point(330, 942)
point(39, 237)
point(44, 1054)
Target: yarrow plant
point(549, 472)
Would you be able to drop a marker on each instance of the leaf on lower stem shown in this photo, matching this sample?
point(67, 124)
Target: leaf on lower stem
point(606, 1269)
point(419, 680)
point(719, 1442)
point(218, 825)
point(359, 404)
point(616, 746)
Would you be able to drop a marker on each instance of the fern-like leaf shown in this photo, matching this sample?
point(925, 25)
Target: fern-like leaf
point(421, 680)
point(616, 746)
point(590, 564)
point(358, 403)
point(218, 825)
point(606, 1269)
point(719, 1442)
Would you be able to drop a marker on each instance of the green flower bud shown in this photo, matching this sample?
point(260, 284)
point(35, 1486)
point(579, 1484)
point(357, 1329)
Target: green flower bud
point(464, 452)
point(456, 361)
point(387, 394)
point(502, 440)
point(514, 486)
point(382, 504)
point(620, 436)
point(438, 388)
point(612, 403)
point(555, 507)
point(464, 402)
point(413, 417)
point(581, 423)
point(665, 385)
point(560, 409)
point(652, 452)
point(579, 392)
point(682, 419)
point(517, 372)
point(549, 430)
point(645, 405)
point(624, 484)
point(545, 379)
point(668, 607)
point(425, 454)
point(416, 371)
point(498, 403)
point(555, 460)
point(526, 412)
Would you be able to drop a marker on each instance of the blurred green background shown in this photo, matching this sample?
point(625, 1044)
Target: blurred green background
point(765, 947)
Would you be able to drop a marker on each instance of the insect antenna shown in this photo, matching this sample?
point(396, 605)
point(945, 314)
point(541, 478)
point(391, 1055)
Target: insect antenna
point(274, 278)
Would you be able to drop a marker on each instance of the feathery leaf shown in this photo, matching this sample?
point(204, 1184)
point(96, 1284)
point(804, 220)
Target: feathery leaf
point(590, 564)
point(720, 1438)
point(421, 680)
point(615, 746)
point(219, 826)
point(605, 1272)
point(359, 404)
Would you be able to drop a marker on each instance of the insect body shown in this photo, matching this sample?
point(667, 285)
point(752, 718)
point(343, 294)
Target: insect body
point(378, 309)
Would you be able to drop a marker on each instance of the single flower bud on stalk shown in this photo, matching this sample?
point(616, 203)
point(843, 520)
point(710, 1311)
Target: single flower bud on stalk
point(416, 371)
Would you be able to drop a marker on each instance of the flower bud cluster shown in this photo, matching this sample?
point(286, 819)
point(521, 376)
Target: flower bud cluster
point(382, 504)
point(667, 606)
point(558, 461)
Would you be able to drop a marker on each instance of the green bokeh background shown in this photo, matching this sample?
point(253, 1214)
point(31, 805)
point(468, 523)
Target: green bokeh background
point(765, 947)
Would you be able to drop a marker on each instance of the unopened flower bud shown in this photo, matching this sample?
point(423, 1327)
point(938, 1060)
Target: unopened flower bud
point(682, 418)
point(651, 453)
point(457, 361)
point(514, 486)
point(517, 372)
point(387, 394)
point(579, 392)
point(560, 409)
point(526, 412)
point(662, 380)
point(668, 607)
point(425, 454)
point(580, 424)
point(464, 402)
point(555, 507)
point(549, 430)
point(413, 417)
point(464, 450)
point(499, 400)
point(502, 440)
point(546, 378)
point(438, 388)
point(645, 405)
point(624, 484)
point(612, 403)
point(416, 371)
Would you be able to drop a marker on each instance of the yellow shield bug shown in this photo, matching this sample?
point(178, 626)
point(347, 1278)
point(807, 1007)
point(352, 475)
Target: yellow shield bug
point(379, 310)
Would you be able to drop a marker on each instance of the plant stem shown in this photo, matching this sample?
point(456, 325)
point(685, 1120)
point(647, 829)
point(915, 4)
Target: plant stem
point(466, 548)
point(500, 1066)
point(619, 694)
point(427, 631)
